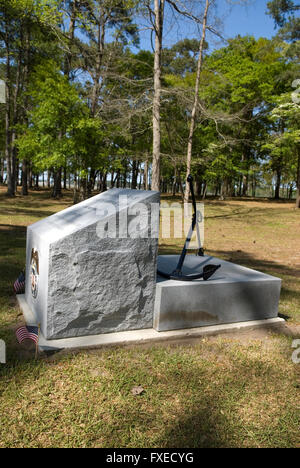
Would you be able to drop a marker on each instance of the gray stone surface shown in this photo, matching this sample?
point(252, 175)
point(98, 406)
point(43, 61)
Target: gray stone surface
point(233, 294)
point(89, 285)
point(140, 337)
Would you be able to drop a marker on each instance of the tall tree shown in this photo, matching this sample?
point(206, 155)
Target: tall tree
point(283, 146)
point(61, 132)
point(242, 82)
point(159, 6)
point(100, 21)
point(284, 14)
point(196, 98)
point(20, 22)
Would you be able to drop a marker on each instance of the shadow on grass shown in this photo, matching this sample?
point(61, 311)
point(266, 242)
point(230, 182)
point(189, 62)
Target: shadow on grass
point(213, 419)
point(247, 260)
point(253, 212)
point(214, 199)
point(240, 257)
point(37, 197)
point(11, 238)
point(26, 213)
point(271, 201)
point(213, 401)
point(12, 261)
point(233, 214)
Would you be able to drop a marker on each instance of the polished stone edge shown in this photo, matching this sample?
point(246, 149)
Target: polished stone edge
point(133, 337)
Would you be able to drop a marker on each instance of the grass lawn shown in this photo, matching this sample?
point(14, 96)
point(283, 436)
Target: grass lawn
point(227, 391)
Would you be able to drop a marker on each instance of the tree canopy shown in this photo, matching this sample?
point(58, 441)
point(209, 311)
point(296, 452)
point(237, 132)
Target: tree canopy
point(81, 97)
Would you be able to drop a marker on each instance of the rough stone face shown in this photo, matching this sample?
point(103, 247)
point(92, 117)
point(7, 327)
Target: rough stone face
point(88, 284)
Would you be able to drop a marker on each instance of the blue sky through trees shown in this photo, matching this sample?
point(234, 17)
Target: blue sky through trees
point(249, 19)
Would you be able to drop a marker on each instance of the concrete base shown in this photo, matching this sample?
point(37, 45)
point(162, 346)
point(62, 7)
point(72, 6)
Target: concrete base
point(234, 294)
point(140, 336)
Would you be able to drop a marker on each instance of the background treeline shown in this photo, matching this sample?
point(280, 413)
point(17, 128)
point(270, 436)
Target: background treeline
point(80, 100)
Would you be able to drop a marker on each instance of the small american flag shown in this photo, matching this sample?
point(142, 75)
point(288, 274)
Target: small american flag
point(27, 333)
point(19, 285)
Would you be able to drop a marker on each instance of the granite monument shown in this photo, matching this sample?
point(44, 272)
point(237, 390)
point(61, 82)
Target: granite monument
point(91, 268)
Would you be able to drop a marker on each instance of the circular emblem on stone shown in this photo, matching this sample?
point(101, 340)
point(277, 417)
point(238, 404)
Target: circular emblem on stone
point(34, 272)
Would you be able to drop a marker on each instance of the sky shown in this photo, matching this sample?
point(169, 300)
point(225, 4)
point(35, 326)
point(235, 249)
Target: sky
point(238, 19)
point(251, 19)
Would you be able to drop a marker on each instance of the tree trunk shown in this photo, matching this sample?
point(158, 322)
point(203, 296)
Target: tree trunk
point(13, 103)
point(198, 186)
point(75, 189)
point(56, 192)
point(298, 179)
point(10, 162)
point(159, 6)
point(245, 185)
point(112, 179)
point(1, 171)
point(49, 179)
point(65, 178)
point(24, 178)
point(83, 189)
point(204, 191)
point(253, 186)
point(99, 52)
point(180, 185)
point(103, 182)
point(146, 180)
point(30, 176)
point(196, 99)
point(71, 37)
point(240, 186)
point(8, 147)
point(135, 171)
point(278, 183)
point(174, 185)
point(124, 185)
point(118, 178)
point(91, 182)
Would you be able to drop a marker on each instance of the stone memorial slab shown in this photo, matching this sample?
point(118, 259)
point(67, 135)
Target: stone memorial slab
point(91, 268)
point(234, 294)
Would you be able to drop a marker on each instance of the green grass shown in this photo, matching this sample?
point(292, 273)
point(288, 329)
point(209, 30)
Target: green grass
point(214, 394)
point(230, 391)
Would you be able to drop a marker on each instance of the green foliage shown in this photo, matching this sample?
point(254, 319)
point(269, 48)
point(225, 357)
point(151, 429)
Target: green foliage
point(280, 9)
point(81, 98)
point(60, 129)
point(284, 15)
point(240, 86)
point(182, 57)
point(247, 70)
point(283, 140)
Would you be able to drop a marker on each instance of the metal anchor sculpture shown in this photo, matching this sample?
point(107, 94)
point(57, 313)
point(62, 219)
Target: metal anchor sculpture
point(208, 270)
